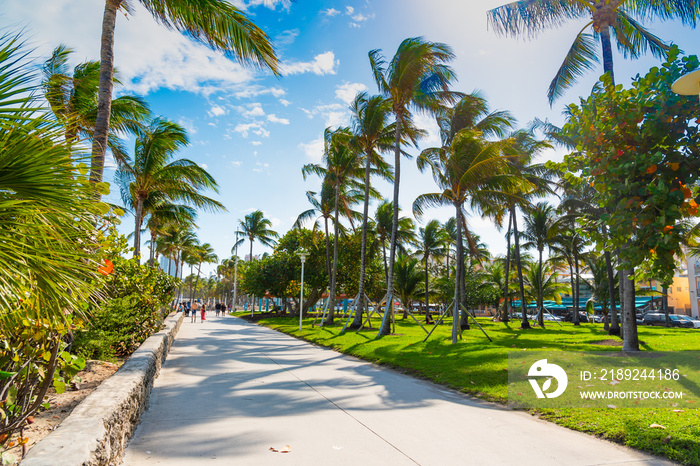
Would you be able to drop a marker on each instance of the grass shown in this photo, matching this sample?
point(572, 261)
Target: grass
point(480, 368)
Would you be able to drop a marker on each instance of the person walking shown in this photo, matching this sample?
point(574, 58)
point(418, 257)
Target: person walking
point(218, 308)
point(203, 313)
point(193, 315)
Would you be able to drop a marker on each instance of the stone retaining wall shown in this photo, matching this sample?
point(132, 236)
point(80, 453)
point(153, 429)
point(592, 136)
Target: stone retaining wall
point(99, 428)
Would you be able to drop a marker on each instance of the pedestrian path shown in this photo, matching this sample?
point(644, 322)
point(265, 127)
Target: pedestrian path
point(231, 392)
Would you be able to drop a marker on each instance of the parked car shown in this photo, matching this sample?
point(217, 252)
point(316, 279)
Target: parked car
point(694, 320)
point(659, 319)
point(582, 317)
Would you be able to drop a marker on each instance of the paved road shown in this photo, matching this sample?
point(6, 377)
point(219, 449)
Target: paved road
point(230, 390)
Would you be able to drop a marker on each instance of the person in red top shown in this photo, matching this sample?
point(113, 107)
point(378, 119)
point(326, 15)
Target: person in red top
point(203, 312)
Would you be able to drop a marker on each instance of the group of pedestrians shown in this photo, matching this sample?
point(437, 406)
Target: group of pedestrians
point(189, 309)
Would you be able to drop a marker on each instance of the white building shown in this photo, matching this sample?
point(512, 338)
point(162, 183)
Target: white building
point(693, 283)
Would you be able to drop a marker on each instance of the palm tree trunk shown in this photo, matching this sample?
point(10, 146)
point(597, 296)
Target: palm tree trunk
point(427, 302)
point(191, 283)
point(104, 99)
point(179, 287)
point(251, 249)
point(386, 266)
point(138, 219)
point(631, 341)
point(507, 311)
point(607, 52)
point(523, 306)
point(328, 249)
point(540, 298)
point(614, 325)
point(360, 306)
point(459, 264)
point(152, 252)
point(331, 294)
point(576, 318)
point(386, 329)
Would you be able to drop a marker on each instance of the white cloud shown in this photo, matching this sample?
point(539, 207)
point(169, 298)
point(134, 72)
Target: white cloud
point(334, 114)
point(349, 10)
point(285, 102)
point(217, 111)
point(313, 150)
point(272, 118)
point(429, 124)
point(256, 90)
point(188, 124)
point(256, 143)
point(286, 38)
point(255, 128)
point(347, 91)
point(322, 64)
point(255, 111)
point(330, 12)
point(204, 166)
point(236, 163)
point(271, 4)
point(337, 119)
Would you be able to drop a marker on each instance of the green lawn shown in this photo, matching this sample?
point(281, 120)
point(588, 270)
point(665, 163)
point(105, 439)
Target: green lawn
point(479, 367)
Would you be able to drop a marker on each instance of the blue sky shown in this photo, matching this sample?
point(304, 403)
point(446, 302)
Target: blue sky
point(254, 131)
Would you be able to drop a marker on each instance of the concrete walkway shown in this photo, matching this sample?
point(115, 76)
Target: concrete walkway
point(229, 391)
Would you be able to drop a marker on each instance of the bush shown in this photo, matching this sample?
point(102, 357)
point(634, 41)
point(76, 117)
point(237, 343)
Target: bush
point(138, 296)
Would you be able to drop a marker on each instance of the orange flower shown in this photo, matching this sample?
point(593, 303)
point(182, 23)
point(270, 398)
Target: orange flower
point(668, 228)
point(651, 169)
point(674, 166)
point(107, 268)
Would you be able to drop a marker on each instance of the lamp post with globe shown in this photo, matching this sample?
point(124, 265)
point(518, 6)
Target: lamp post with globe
point(302, 255)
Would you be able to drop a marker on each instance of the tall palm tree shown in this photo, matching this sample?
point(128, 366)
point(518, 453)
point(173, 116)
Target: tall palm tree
point(417, 77)
point(618, 18)
point(372, 134)
point(569, 245)
point(73, 100)
point(216, 23)
point(256, 226)
point(431, 240)
point(323, 206)
point(341, 166)
point(153, 174)
point(202, 254)
point(538, 234)
point(471, 169)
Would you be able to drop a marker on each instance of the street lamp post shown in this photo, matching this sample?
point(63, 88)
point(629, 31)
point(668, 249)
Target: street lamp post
point(302, 255)
point(235, 274)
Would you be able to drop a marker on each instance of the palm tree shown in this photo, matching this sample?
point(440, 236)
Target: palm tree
point(620, 17)
point(73, 100)
point(408, 280)
point(471, 169)
point(48, 268)
point(202, 254)
point(323, 206)
point(154, 176)
point(541, 280)
point(432, 243)
point(569, 245)
point(468, 168)
point(538, 233)
point(600, 287)
point(256, 226)
point(341, 168)
point(163, 214)
point(371, 134)
point(417, 77)
point(405, 235)
point(216, 23)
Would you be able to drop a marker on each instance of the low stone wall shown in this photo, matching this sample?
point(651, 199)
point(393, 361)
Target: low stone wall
point(99, 428)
